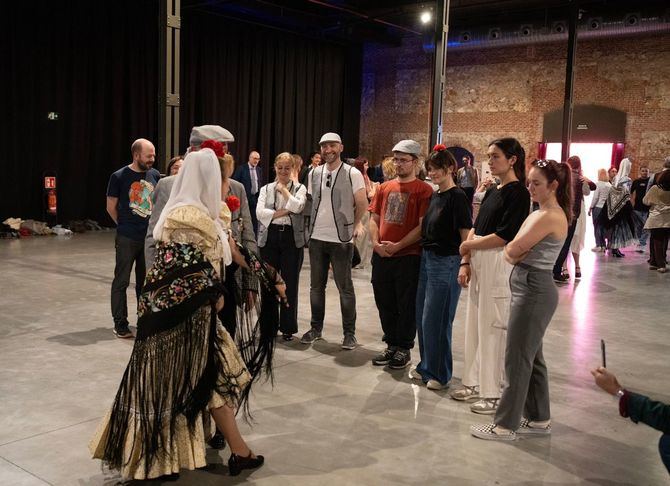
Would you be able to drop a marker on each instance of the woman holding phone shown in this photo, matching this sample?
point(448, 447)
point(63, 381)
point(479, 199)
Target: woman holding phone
point(524, 405)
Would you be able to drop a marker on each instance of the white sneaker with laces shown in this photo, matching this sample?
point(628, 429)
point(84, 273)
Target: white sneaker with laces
point(466, 394)
point(485, 406)
point(415, 375)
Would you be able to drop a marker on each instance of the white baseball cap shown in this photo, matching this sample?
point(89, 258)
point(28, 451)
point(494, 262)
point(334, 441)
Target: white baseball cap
point(210, 132)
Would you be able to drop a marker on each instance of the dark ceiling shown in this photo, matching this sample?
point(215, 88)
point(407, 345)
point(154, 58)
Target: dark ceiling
point(387, 21)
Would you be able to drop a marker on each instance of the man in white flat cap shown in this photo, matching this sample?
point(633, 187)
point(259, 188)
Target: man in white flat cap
point(339, 201)
point(397, 211)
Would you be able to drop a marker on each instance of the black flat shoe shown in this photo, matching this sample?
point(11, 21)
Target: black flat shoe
point(217, 441)
point(617, 253)
point(236, 464)
point(287, 337)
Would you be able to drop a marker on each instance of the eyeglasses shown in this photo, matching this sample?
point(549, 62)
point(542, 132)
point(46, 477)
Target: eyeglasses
point(328, 179)
point(397, 161)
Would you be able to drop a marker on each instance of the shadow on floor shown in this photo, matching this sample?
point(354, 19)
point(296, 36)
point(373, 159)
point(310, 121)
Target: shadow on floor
point(84, 338)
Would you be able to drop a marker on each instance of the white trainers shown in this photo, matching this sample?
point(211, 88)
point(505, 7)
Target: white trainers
point(492, 432)
point(485, 406)
point(435, 385)
point(527, 427)
point(415, 375)
point(465, 394)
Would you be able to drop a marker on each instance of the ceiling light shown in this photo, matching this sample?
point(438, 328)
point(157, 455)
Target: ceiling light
point(426, 17)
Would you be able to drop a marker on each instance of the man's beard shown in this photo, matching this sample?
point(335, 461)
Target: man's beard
point(329, 158)
point(143, 166)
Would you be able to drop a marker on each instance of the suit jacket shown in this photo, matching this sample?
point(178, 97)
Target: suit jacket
point(241, 219)
point(243, 175)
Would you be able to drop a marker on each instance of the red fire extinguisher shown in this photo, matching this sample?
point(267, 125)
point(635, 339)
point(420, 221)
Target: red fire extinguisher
point(52, 204)
point(50, 198)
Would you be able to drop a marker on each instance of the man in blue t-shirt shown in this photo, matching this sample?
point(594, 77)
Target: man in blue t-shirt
point(129, 204)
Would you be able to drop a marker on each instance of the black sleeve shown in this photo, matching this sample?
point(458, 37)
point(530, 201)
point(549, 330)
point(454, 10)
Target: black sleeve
point(462, 211)
point(517, 208)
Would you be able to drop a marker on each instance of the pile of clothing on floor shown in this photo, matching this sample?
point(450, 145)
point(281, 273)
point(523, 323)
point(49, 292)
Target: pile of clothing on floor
point(17, 227)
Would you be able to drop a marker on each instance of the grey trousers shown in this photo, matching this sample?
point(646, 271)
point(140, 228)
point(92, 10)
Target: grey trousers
point(322, 254)
point(526, 393)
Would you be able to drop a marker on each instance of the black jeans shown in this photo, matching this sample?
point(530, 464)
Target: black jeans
point(394, 283)
point(321, 255)
point(281, 253)
point(128, 252)
point(659, 245)
point(563, 255)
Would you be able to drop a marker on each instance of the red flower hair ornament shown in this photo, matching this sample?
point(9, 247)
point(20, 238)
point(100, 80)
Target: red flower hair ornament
point(217, 147)
point(440, 147)
point(233, 203)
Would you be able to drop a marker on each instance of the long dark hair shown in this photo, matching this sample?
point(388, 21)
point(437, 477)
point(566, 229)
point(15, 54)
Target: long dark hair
point(553, 171)
point(511, 146)
point(576, 163)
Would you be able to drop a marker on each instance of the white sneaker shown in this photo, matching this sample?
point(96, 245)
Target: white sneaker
point(435, 385)
point(415, 375)
point(465, 394)
point(485, 406)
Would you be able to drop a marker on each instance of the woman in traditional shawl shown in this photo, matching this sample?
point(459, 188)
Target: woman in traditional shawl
point(617, 215)
point(184, 363)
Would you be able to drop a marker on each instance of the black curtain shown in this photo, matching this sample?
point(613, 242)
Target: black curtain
point(95, 65)
point(274, 91)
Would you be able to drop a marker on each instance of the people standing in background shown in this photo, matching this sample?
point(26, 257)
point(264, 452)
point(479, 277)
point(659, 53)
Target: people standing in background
point(338, 204)
point(129, 204)
point(363, 243)
point(581, 186)
point(597, 202)
point(637, 192)
point(486, 273)
point(658, 222)
point(395, 229)
point(524, 406)
point(281, 237)
point(612, 172)
point(617, 215)
point(652, 178)
point(445, 226)
point(251, 177)
point(467, 178)
point(174, 165)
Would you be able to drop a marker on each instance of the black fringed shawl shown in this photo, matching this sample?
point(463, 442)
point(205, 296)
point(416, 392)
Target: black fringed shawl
point(176, 364)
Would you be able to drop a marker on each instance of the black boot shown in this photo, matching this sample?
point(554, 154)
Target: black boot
point(236, 464)
point(217, 441)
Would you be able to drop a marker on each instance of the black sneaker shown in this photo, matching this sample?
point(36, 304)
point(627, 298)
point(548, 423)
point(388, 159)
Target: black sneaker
point(401, 359)
point(123, 332)
point(310, 336)
point(384, 358)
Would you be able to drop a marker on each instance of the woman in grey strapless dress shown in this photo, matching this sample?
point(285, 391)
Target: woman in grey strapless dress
point(524, 405)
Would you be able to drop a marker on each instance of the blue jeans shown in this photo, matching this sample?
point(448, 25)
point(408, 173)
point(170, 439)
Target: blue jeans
point(639, 222)
point(436, 301)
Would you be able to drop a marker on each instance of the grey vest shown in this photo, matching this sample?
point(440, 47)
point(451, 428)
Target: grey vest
point(341, 200)
point(297, 220)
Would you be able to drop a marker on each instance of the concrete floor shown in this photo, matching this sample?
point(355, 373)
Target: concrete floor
point(331, 418)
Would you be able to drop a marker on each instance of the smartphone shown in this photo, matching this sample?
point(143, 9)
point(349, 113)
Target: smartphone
point(602, 352)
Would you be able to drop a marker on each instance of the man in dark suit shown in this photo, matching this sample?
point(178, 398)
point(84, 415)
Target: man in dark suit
point(251, 177)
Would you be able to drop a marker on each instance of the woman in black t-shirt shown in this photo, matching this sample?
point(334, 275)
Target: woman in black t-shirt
point(445, 225)
point(485, 271)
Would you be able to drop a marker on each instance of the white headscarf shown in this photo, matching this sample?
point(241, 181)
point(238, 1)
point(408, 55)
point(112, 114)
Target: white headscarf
point(198, 184)
point(624, 171)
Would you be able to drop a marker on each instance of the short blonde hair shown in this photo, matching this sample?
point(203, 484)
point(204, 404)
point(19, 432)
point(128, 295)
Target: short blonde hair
point(227, 164)
point(388, 168)
point(602, 175)
point(285, 156)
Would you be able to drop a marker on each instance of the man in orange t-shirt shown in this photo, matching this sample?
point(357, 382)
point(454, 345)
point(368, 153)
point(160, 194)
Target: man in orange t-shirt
point(395, 229)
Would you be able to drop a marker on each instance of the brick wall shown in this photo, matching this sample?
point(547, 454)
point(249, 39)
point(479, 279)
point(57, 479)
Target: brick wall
point(506, 92)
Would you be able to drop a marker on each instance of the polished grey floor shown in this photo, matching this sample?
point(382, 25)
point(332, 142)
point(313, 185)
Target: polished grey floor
point(331, 418)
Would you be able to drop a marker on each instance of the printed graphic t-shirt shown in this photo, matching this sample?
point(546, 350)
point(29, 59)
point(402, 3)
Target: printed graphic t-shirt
point(400, 205)
point(134, 190)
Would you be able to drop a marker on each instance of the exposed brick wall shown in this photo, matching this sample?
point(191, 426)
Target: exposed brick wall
point(506, 92)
